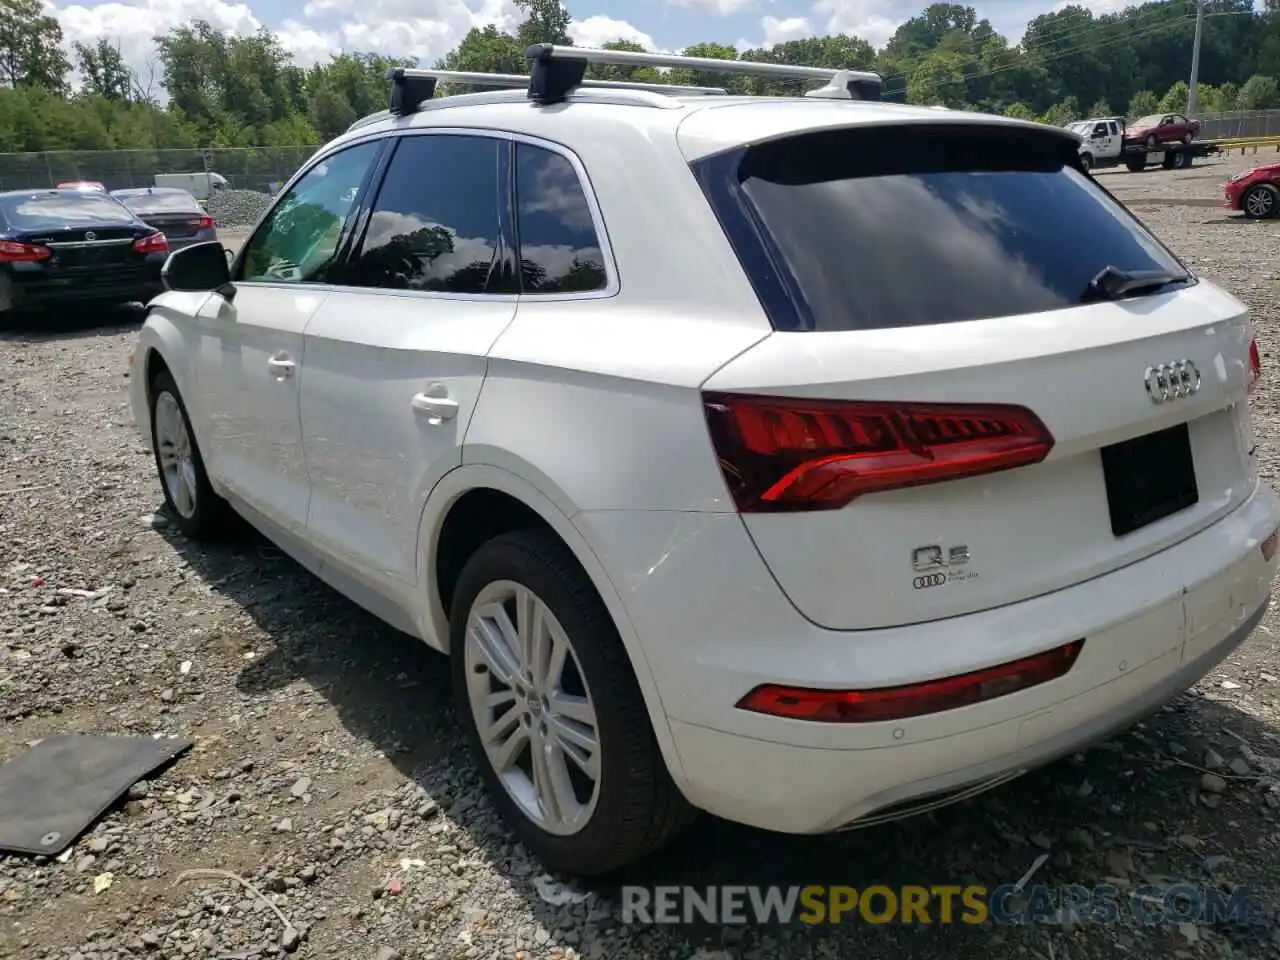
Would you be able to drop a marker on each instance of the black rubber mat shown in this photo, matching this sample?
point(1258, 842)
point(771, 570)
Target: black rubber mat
point(52, 792)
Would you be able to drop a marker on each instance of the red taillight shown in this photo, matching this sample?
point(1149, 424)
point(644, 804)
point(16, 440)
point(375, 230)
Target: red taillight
point(155, 243)
point(201, 223)
point(13, 252)
point(912, 700)
point(1255, 365)
point(784, 454)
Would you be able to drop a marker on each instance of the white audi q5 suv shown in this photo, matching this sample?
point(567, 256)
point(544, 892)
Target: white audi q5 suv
point(801, 460)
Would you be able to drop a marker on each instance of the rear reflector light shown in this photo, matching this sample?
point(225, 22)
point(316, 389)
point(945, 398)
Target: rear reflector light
point(1269, 546)
point(785, 454)
point(1255, 365)
point(155, 243)
point(14, 252)
point(201, 223)
point(913, 700)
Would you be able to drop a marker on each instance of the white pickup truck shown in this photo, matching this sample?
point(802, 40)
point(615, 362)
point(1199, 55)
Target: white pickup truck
point(1101, 141)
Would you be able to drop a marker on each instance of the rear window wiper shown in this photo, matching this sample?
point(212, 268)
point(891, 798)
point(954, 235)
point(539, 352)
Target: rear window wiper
point(1112, 283)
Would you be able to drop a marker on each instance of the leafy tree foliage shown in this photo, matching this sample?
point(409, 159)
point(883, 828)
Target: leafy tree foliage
point(225, 90)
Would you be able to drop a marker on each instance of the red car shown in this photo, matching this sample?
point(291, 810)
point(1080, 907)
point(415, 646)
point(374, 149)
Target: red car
point(1255, 192)
point(1160, 128)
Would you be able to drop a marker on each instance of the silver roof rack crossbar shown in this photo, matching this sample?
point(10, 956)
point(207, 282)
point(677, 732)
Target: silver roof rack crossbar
point(558, 69)
point(410, 87)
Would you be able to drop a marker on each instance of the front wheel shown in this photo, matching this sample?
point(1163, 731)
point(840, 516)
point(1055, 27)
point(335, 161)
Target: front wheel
point(198, 512)
point(1086, 161)
point(552, 710)
point(1260, 202)
point(1152, 142)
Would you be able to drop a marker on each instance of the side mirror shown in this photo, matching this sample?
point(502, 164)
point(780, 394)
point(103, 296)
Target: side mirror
point(198, 268)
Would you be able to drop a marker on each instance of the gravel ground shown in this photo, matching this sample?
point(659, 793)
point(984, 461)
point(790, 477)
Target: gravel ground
point(327, 770)
point(237, 209)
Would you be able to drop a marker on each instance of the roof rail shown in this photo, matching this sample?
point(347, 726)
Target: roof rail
point(559, 69)
point(409, 87)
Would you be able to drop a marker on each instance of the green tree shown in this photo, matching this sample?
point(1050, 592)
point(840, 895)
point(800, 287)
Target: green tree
point(546, 21)
point(1143, 103)
point(104, 70)
point(937, 79)
point(487, 50)
point(1259, 93)
point(1100, 109)
point(31, 47)
point(1062, 113)
point(1175, 99)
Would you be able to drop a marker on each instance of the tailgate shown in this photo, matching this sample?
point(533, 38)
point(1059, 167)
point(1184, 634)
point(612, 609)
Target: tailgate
point(1097, 502)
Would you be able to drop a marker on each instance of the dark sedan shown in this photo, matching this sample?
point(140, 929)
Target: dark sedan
point(61, 247)
point(174, 212)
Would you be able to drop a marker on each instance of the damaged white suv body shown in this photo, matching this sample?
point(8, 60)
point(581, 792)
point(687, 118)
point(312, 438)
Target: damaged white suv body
point(807, 461)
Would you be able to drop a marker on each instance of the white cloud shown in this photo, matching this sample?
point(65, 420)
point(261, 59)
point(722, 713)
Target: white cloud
point(780, 31)
point(599, 30)
point(722, 7)
point(134, 26)
point(873, 20)
point(427, 29)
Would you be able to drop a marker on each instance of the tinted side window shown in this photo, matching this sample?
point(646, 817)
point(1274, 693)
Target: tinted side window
point(298, 241)
point(559, 249)
point(901, 227)
point(435, 222)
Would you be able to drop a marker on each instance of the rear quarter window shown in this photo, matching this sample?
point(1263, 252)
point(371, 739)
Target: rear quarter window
point(874, 228)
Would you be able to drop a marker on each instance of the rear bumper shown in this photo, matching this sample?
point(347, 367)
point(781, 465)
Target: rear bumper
point(713, 625)
point(103, 288)
point(179, 243)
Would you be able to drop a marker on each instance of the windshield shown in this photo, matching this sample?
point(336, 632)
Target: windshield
point(915, 226)
point(176, 202)
point(41, 211)
point(1151, 121)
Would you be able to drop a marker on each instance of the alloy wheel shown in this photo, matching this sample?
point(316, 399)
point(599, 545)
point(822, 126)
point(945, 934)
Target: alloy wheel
point(532, 708)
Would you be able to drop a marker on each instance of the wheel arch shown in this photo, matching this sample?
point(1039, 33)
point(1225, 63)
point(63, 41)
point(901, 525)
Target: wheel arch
point(483, 483)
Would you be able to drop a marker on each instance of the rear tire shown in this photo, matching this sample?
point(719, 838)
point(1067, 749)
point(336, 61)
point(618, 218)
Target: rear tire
point(188, 497)
point(1136, 164)
point(1261, 202)
point(616, 802)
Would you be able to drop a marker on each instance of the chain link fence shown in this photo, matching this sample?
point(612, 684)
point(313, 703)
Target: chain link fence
point(1240, 125)
point(261, 169)
point(265, 169)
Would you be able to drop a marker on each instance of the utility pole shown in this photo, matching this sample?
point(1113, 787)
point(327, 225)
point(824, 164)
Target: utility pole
point(1195, 58)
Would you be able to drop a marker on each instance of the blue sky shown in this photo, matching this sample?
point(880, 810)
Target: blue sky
point(312, 29)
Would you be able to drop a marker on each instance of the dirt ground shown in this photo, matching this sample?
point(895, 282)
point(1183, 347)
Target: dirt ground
point(327, 770)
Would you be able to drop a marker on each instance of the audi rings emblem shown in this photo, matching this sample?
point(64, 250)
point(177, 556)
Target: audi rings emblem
point(1175, 380)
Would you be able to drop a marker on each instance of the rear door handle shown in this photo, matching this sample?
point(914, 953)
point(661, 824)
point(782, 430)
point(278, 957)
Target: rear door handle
point(280, 367)
point(435, 408)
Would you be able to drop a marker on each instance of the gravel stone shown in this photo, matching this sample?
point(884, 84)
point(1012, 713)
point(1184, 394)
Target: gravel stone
point(237, 208)
point(306, 710)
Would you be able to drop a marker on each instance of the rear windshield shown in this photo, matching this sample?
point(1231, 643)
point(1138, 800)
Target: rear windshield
point(36, 212)
point(913, 226)
point(160, 203)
